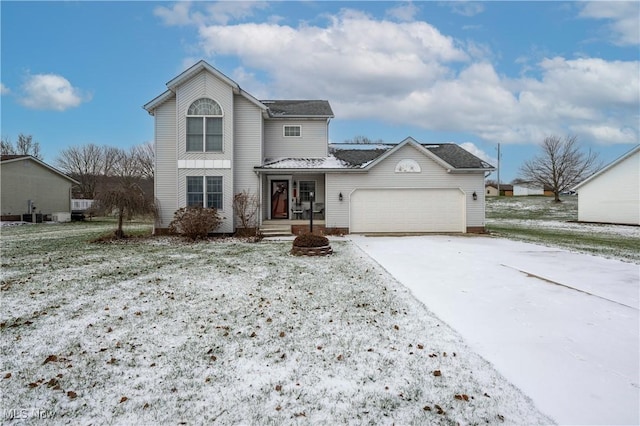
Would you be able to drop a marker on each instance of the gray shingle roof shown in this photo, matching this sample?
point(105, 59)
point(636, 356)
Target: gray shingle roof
point(451, 153)
point(358, 157)
point(457, 156)
point(298, 108)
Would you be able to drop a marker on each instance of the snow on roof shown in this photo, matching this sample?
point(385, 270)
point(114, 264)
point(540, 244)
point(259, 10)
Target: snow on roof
point(329, 162)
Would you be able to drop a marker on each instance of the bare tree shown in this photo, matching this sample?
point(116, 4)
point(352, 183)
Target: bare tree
point(145, 155)
point(359, 139)
point(24, 146)
point(85, 164)
point(125, 195)
point(560, 166)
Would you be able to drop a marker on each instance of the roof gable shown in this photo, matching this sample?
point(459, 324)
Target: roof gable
point(15, 158)
point(631, 153)
point(449, 155)
point(191, 72)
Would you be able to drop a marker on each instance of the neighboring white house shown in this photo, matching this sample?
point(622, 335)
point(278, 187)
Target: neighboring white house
point(612, 195)
point(214, 140)
point(522, 190)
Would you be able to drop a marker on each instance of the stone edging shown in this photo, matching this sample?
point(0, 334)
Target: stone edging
point(311, 251)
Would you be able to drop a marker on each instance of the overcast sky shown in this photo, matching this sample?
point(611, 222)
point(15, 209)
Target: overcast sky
point(477, 74)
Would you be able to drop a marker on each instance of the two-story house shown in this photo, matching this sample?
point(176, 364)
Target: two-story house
point(214, 140)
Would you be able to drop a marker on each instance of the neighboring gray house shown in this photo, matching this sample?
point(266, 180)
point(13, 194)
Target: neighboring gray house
point(214, 140)
point(612, 195)
point(32, 186)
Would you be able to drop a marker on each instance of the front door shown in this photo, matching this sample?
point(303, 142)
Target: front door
point(279, 199)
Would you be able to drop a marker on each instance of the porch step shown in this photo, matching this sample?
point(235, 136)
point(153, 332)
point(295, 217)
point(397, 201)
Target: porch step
point(276, 230)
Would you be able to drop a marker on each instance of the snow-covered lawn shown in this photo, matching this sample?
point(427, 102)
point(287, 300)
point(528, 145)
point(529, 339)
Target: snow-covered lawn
point(157, 331)
point(541, 221)
point(562, 326)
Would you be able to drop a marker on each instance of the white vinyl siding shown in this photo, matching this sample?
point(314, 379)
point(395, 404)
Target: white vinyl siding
point(383, 175)
point(614, 195)
point(206, 85)
point(247, 145)
point(166, 169)
point(312, 143)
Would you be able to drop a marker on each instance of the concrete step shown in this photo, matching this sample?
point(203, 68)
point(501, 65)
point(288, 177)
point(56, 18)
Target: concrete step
point(276, 230)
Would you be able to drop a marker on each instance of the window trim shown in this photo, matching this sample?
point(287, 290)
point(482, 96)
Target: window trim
point(284, 130)
point(203, 130)
point(204, 193)
point(315, 185)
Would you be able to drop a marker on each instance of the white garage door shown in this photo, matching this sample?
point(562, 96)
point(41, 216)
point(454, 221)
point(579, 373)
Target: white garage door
point(407, 210)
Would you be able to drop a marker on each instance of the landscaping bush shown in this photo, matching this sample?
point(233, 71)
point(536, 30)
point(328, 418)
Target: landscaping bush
point(195, 222)
point(310, 240)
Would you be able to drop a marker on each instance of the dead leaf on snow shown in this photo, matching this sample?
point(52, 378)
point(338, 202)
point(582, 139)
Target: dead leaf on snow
point(50, 358)
point(8, 375)
point(437, 373)
point(123, 399)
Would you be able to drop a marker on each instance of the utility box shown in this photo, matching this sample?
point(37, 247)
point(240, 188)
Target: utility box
point(29, 218)
point(61, 217)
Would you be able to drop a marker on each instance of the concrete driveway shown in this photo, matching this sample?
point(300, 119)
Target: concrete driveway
point(563, 327)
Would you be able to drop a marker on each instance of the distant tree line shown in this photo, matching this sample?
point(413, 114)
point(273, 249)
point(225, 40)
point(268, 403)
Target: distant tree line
point(100, 168)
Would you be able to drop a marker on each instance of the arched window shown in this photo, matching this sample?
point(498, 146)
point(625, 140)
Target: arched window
point(204, 126)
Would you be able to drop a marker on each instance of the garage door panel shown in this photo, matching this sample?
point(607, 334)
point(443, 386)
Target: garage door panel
point(407, 210)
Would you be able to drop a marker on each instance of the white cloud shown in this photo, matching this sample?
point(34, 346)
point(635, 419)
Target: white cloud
point(466, 8)
point(404, 13)
point(623, 17)
point(178, 14)
point(50, 92)
point(472, 148)
point(410, 74)
point(353, 54)
point(4, 90)
point(222, 12)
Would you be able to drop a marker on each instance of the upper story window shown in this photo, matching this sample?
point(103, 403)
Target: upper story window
point(204, 126)
point(292, 131)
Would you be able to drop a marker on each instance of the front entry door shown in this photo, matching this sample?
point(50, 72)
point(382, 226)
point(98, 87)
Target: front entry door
point(279, 199)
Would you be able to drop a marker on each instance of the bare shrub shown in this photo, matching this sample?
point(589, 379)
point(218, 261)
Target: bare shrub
point(246, 207)
point(195, 222)
point(310, 240)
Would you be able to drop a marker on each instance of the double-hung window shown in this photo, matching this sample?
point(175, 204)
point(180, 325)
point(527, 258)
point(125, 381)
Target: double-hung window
point(306, 187)
point(204, 126)
point(196, 194)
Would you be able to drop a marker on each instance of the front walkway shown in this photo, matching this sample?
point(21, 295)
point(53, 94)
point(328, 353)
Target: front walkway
point(563, 327)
